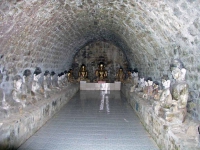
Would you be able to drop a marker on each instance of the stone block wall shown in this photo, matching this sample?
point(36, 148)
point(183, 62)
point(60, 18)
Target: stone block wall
point(16, 129)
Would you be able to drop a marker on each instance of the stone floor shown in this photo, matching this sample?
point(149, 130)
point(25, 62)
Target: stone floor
point(96, 120)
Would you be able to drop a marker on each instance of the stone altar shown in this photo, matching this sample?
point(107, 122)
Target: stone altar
point(100, 86)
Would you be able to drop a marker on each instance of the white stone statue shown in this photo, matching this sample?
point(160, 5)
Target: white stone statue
point(60, 80)
point(37, 89)
point(17, 91)
point(26, 82)
point(65, 77)
point(135, 78)
point(47, 81)
point(179, 92)
point(54, 81)
point(156, 91)
point(148, 89)
point(163, 106)
point(5, 104)
point(141, 85)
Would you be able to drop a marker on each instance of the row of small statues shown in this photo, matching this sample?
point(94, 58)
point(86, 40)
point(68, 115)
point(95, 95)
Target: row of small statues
point(27, 90)
point(169, 103)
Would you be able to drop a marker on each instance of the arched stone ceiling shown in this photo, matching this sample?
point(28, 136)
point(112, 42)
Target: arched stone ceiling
point(48, 33)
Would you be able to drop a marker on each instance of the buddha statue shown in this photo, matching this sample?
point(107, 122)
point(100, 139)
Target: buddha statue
point(83, 74)
point(47, 81)
point(54, 81)
point(37, 89)
point(135, 77)
point(101, 73)
point(70, 76)
point(145, 90)
point(156, 92)
point(26, 82)
point(61, 80)
point(179, 92)
point(65, 77)
point(141, 85)
point(162, 107)
point(129, 76)
point(17, 91)
point(5, 104)
point(120, 75)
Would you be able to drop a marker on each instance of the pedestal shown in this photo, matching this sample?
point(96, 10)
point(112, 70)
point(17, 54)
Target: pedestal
point(100, 86)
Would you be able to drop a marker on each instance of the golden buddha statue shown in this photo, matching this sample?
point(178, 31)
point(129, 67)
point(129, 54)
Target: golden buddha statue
point(101, 73)
point(120, 75)
point(83, 74)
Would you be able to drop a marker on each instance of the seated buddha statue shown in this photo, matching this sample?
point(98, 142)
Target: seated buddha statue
point(179, 92)
point(120, 75)
point(156, 92)
point(37, 90)
point(70, 76)
point(47, 81)
point(129, 76)
point(17, 91)
point(61, 80)
point(148, 89)
point(135, 77)
point(164, 103)
point(101, 73)
point(83, 74)
point(26, 84)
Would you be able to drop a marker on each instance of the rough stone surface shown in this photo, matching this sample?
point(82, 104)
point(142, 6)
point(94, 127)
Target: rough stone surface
point(48, 34)
point(19, 127)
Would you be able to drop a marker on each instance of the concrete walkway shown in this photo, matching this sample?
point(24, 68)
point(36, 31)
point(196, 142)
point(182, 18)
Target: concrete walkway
point(93, 120)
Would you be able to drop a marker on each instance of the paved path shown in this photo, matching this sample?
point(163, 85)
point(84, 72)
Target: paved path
point(93, 120)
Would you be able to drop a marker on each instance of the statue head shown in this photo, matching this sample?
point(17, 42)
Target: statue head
point(46, 73)
point(65, 72)
point(178, 70)
point(165, 81)
point(70, 71)
point(60, 76)
point(150, 81)
point(101, 65)
point(155, 84)
point(83, 67)
point(26, 75)
point(17, 82)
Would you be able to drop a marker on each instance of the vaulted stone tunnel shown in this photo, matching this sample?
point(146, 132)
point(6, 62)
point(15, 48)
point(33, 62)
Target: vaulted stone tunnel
point(48, 34)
